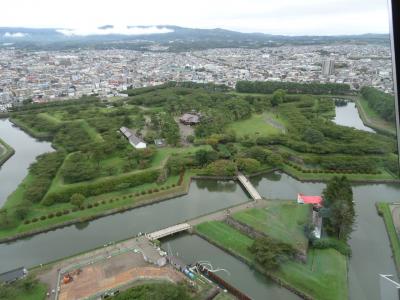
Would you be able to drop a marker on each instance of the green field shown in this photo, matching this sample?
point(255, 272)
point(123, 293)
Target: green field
point(258, 124)
point(16, 292)
point(323, 277)
point(384, 211)
point(281, 220)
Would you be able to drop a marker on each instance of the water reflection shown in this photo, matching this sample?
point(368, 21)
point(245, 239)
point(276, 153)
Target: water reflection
point(217, 185)
point(82, 225)
point(347, 115)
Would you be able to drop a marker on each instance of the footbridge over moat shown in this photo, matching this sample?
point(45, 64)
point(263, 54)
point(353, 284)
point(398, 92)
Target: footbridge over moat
point(168, 231)
point(249, 187)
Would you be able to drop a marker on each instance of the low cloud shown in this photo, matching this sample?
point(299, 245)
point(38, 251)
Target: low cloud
point(107, 30)
point(15, 34)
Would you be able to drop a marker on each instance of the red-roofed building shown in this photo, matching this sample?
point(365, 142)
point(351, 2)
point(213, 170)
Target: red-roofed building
point(314, 200)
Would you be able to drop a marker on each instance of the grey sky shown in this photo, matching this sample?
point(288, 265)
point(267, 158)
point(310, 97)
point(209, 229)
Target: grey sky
point(268, 16)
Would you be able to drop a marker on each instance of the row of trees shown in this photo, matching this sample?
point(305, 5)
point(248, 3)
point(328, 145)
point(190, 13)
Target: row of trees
point(268, 87)
point(380, 102)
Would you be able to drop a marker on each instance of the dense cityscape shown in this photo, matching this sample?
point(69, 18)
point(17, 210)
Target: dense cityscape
point(206, 150)
point(49, 75)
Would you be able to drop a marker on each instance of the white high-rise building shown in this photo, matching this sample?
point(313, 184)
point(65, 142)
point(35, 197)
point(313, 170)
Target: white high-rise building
point(328, 67)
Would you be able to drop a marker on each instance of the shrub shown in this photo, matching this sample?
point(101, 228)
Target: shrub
point(149, 191)
point(66, 211)
point(96, 204)
point(106, 185)
point(50, 215)
point(89, 206)
point(34, 220)
point(104, 201)
point(173, 185)
point(27, 222)
point(111, 201)
point(143, 192)
point(156, 190)
point(137, 194)
point(59, 214)
point(75, 209)
point(130, 196)
point(43, 218)
point(338, 245)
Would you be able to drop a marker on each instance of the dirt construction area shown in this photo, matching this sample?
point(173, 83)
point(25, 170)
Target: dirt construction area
point(116, 272)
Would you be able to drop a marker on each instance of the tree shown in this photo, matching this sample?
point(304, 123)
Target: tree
point(249, 165)
point(21, 212)
point(278, 97)
point(313, 136)
point(275, 160)
point(77, 199)
point(270, 254)
point(204, 157)
point(339, 209)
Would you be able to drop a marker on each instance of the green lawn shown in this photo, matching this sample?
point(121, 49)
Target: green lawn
point(6, 151)
point(227, 237)
point(94, 135)
point(281, 220)
point(258, 124)
point(50, 118)
point(38, 293)
point(15, 292)
point(372, 119)
point(323, 277)
point(384, 211)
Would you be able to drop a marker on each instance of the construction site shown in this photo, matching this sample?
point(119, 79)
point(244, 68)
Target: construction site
point(106, 271)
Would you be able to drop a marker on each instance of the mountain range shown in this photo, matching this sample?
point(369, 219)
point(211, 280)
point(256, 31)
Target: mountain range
point(165, 37)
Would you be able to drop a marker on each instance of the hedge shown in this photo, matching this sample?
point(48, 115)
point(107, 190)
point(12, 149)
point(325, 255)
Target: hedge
point(102, 186)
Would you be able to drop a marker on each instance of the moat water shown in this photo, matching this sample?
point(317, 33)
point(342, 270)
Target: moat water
point(347, 115)
point(371, 250)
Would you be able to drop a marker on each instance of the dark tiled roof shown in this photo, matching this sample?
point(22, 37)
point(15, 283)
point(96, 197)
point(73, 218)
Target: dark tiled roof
point(12, 275)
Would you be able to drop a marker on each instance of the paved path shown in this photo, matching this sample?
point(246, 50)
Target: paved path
point(249, 187)
point(222, 214)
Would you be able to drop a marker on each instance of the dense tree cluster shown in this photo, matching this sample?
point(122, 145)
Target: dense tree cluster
point(156, 291)
point(268, 87)
point(339, 213)
point(380, 102)
point(270, 254)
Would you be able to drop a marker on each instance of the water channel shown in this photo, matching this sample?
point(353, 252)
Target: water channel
point(371, 250)
point(16, 168)
point(347, 115)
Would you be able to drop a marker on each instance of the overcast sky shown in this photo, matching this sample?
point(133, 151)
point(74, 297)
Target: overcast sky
point(269, 16)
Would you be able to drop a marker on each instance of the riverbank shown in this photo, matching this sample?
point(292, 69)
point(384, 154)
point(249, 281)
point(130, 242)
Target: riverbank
point(6, 151)
point(385, 211)
point(135, 198)
point(310, 281)
point(107, 208)
point(372, 120)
